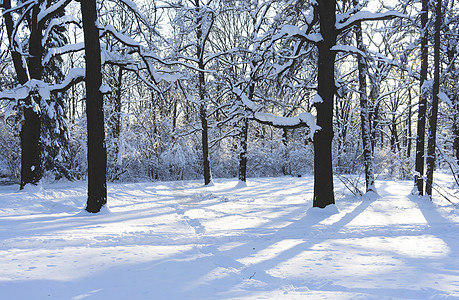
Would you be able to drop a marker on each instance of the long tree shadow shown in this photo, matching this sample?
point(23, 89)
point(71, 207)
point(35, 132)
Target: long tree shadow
point(314, 234)
point(439, 226)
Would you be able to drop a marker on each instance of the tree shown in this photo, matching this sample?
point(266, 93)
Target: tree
point(195, 24)
point(433, 111)
point(420, 138)
point(323, 171)
point(31, 168)
point(97, 154)
point(364, 110)
point(38, 19)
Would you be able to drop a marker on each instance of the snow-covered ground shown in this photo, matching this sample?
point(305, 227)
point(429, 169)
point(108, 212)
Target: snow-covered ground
point(180, 240)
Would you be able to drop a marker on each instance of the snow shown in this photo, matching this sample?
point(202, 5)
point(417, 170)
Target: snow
point(56, 22)
point(443, 97)
point(105, 89)
point(293, 30)
point(427, 86)
point(127, 40)
point(276, 120)
point(44, 89)
point(344, 21)
point(182, 240)
point(317, 99)
point(49, 11)
point(348, 48)
point(61, 50)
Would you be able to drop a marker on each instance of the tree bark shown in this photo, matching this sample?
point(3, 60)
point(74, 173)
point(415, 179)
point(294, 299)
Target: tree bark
point(31, 168)
point(117, 125)
point(285, 165)
point(433, 111)
point(456, 128)
point(364, 111)
point(408, 125)
point(243, 151)
point(323, 172)
point(420, 138)
point(454, 95)
point(203, 103)
point(97, 154)
point(394, 145)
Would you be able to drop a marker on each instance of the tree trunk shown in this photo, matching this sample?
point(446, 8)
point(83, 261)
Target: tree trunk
point(408, 125)
point(97, 154)
point(245, 135)
point(376, 128)
point(117, 125)
point(285, 166)
point(364, 112)
point(323, 172)
point(433, 111)
point(454, 96)
point(393, 135)
point(243, 151)
point(31, 169)
point(203, 102)
point(456, 128)
point(420, 138)
point(205, 145)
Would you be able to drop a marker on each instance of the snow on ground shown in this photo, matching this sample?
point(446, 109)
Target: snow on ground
point(180, 240)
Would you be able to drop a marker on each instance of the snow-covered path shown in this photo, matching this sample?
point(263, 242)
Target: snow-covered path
point(179, 240)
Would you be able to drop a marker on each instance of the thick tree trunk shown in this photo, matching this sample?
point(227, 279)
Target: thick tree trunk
point(31, 168)
point(420, 138)
point(323, 172)
point(97, 154)
point(364, 112)
point(433, 111)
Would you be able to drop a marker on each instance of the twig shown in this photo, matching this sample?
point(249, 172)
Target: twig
point(450, 165)
point(350, 186)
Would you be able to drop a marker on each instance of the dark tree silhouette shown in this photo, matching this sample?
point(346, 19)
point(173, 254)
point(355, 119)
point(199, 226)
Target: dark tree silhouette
point(97, 154)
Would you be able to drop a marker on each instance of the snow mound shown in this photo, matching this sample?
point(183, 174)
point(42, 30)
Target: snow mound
point(241, 184)
point(329, 210)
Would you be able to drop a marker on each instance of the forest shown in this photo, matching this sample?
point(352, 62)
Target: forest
point(229, 149)
point(174, 90)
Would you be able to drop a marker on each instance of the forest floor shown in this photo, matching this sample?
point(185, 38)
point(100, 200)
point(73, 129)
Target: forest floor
point(180, 240)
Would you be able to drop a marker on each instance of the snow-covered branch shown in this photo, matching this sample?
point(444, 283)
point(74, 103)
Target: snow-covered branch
point(343, 23)
point(58, 22)
point(295, 31)
point(348, 49)
point(18, 7)
point(62, 50)
point(304, 119)
point(51, 11)
point(42, 88)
